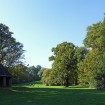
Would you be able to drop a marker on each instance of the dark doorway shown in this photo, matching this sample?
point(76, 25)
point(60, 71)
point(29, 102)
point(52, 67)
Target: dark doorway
point(1, 81)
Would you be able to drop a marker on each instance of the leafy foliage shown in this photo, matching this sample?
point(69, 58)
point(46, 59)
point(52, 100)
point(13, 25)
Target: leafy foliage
point(46, 77)
point(92, 69)
point(71, 65)
point(95, 37)
point(64, 65)
point(84, 64)
point(22, 73)
point(10, 50)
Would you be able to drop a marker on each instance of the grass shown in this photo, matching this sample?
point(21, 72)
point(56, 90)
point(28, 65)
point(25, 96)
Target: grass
point(38, 94)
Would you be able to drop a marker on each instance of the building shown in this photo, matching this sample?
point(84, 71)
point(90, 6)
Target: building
point(5, 77)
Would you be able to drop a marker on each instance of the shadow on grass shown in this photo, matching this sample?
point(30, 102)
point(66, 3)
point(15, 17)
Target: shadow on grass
point(51, 96)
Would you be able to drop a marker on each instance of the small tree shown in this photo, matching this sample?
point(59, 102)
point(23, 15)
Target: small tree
point(46, 77)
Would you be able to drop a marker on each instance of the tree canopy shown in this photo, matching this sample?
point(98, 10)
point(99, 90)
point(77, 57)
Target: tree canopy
point(10, 50)
point(64, 62)
point(92, 69)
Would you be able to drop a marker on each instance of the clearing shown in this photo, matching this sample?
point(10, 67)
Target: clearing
point(38, 94)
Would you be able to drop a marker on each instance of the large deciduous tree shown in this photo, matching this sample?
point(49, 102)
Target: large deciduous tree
point(64, 65)
point(10, 50)
point(93, 67)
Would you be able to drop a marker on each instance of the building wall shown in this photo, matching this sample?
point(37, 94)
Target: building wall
point(5, 81)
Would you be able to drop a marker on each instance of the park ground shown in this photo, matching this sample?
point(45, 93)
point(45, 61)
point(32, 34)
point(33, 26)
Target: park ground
point(37, 94)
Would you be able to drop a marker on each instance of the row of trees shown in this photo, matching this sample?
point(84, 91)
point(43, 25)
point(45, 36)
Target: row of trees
point(22, 73)
point(65, 65)
point(79, 65)
point(72, 65)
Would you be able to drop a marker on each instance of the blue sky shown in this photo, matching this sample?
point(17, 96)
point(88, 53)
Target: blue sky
point(42, 24)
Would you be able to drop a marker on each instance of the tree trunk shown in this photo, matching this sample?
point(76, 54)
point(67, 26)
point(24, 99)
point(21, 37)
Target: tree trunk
point(67, 82)
point(76, 82)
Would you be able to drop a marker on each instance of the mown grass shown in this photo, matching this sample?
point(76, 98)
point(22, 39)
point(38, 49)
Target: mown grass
point(38, 94)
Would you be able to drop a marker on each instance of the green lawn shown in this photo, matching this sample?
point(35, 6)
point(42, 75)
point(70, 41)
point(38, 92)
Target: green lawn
point(37, 94)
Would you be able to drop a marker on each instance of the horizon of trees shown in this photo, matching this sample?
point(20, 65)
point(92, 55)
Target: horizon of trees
point(72, 65)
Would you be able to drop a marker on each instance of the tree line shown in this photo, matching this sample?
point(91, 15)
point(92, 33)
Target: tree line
point(72, 65)
point(22, 73)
